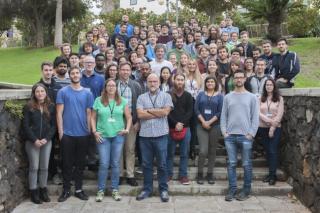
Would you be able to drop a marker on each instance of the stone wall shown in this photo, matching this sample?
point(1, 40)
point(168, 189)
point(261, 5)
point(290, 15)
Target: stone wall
point(13, 163)
point(300, 149)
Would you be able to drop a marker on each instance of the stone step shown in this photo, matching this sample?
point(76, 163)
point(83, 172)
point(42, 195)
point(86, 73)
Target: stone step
point(221, 161)
point(220, 173)
point(175, 188)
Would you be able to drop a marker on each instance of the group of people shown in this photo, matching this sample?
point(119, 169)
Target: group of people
point(147, 89)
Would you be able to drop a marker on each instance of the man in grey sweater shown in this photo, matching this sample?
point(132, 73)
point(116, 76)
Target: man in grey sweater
point(239, 124)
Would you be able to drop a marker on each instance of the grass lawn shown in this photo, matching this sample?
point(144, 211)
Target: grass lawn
point(22, 65)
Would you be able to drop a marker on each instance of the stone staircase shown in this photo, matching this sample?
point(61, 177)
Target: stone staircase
point(219, 188)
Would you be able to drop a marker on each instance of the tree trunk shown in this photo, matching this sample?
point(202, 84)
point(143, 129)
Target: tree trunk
point(39, 33)
point(58, 25)
point(274, 29)
point(212, 15)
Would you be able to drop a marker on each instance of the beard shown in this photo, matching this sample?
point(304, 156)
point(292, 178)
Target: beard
point(62, 72)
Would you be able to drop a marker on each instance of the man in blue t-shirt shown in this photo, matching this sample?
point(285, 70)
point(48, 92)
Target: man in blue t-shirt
point(74, 104)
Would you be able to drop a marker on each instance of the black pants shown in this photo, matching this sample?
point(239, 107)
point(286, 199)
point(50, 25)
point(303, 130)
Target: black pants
point(73, 151)
point(55, 159)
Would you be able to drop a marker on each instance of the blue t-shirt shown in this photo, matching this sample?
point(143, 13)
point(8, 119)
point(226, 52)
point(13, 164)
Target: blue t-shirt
point(94, 82)
point(76, 103)
point(208, 106)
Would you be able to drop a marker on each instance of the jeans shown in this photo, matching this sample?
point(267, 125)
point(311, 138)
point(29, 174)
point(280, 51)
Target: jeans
point(109, 153)
point(150, 148)
point(271, 147)
point(233, 143)
point(184, 154)
point(38, 161)
point(73, 151)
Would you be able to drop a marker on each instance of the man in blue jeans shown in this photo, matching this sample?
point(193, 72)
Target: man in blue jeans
point(239, 124)
point(153, 108)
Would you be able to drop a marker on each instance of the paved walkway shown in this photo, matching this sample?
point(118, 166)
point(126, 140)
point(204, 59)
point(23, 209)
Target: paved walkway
point(177, 204)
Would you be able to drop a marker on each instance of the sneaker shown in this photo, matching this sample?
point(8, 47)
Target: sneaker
point(243, 195)
point(200, 179)
point(184, 181)
point(139, 170)
point(143, 195)
point(230, 195)
point(115, 195)
point(266, 179)
point(64, 196)
point(81, 195)
point(99, 196)
point(57, 179)
point(210, 178)
point(164, 196)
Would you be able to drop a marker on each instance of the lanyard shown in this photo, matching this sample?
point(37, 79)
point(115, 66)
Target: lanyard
point(111, 109)
point(155, 100)
point(268, 105)
point(209, 97)
point(122, 91)
point(259, 83)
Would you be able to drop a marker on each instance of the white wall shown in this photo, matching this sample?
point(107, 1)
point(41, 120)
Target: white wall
point(148, 5)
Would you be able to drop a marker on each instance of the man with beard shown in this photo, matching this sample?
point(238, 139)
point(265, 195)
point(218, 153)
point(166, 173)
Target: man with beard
point(179, 120)
point(222, 61)
point(95, 84)
point(172, 44)
point(269, 57)
point(100, 65)
point(153, 107)
point(286, 65)
point(164, 37)
point(258, 80)
point(145, 70)
point(239, 124)
point(129, 29)
point(178, 49)
point(130, 90)
point(102, 47)
point(61, 65)
point(120, 49)
point(247, 46)
point(143, 24)
point(192, 49)
point(133, 43)
point(74, 104)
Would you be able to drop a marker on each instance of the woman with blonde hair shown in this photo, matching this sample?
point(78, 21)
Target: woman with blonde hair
point(193, 78)
point(183, 63)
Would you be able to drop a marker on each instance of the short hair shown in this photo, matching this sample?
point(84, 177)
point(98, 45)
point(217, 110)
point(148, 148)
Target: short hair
point(122, 23)
point(266, 42)
point(73, 68)
point(165, 25)
point(60, 60)
point(236, 50)
point(123, 64)
point(261, 59)
point(180, 37)
point(133, 37)
point(233, 33)
point(240, 71)
point(89, 32)
point(256, 49)
point(222, 47)
point(98, 55)
point(65, 45)
point(159, 46)
point(197, 44)
point(46, 63)
point(152, 33)
point(244, 32)
point(146, 63)
point(120, 41)
point(74, 54)
point(282, 39)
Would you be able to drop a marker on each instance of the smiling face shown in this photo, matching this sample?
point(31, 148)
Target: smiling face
point(269, 86)
point(210, 85)
point(47, 72)
point(212, 67)
point(40, 94)
point(111, 87)
point(75, 75)
point(165, 74)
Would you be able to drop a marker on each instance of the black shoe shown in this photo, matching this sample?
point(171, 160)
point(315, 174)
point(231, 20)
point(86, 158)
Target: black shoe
point(272, 181)
point(81, 195)
point(64, 196)
point(200, 179)
point(230, 195)
point(44, 195)
point(243, 195)
point(121, 180)
point(164, 196)
point(143, 195)
point(266, 179)
point(35, 196)
point(210, 178)
point(93, 167)
point(132, 182)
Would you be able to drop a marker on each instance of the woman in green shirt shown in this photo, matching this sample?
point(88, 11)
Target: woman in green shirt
point(111, 121)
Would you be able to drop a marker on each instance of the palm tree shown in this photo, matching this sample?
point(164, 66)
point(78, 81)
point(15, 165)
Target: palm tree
point(274, 11)
point(58, 25)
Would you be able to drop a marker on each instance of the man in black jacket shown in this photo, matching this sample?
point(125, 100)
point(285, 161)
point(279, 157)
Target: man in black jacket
point(247, 46)
point(286, 65)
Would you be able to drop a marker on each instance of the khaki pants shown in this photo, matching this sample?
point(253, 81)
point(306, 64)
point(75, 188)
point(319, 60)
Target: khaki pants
point(128, 155)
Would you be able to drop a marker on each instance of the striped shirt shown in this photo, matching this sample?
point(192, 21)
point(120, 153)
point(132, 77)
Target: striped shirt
point(155, 127)
point(125, 92)
point(62, 82)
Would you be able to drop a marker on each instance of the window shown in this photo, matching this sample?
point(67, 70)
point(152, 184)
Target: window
point(133, 2)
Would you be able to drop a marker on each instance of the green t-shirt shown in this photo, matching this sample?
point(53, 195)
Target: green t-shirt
point(108, 125)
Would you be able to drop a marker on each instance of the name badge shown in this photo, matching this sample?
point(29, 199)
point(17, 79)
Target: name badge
point(207, 111)
point(111, 120)
point(269, 115)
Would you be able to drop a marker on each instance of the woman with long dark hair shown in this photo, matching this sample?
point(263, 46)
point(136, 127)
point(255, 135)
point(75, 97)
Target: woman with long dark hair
point(165, 79)
point(208, 108)
point(271, 112)
point(110, 120)
point(39, 127)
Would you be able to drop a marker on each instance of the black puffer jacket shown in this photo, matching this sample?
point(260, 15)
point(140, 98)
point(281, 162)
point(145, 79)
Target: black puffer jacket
point(36, 125)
